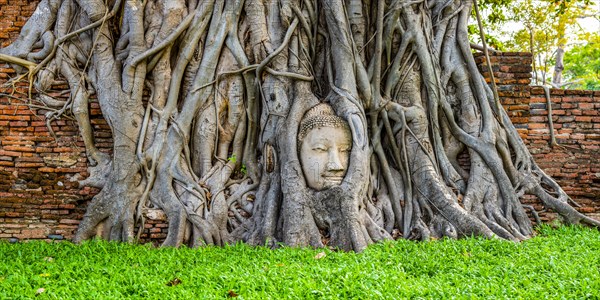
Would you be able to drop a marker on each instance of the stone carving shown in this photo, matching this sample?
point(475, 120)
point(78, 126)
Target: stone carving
point(324, 145)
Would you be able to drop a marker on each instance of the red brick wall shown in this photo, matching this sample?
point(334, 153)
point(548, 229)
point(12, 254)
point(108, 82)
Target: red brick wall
point(575, 162)
point(13, 15)
point(37, 195)
point(38, 198)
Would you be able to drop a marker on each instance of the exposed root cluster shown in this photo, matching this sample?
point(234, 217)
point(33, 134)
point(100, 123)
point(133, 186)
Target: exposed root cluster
point(204, 99)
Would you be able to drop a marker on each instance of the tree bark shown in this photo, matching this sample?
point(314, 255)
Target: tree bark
point(558, 67)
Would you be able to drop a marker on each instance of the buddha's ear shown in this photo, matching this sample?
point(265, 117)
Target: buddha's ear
point(357, 126)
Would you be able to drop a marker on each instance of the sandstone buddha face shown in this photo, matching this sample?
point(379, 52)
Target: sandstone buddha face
point(325, 143)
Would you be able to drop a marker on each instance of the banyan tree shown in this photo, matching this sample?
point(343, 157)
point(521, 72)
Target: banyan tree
point(305, 122)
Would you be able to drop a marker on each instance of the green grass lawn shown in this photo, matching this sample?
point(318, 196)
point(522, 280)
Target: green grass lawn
point(558, 263)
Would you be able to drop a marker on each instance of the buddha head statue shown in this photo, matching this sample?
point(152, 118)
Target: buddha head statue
point(324, 145)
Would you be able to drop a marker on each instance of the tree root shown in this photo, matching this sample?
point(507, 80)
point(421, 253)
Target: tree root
point(179, 82)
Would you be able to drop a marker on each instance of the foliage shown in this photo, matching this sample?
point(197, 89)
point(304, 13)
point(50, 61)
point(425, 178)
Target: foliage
point(582, 64)
point(557, 263)
point(233, 159)
point(493, 19)
point(539, 27)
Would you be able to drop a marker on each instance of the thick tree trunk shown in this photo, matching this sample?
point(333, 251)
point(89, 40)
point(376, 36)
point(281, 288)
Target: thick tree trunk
point(558, 67)
point(208, 102)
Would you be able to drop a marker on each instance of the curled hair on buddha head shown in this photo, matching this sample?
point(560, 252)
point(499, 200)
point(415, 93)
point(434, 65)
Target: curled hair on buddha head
point(320, 115)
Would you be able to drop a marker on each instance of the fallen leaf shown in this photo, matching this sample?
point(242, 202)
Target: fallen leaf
point(174, 282)
point(44, 275)
point(231, 294)
point(280, 265)
point(320, 255)
point(49, 259)
point(39, 291)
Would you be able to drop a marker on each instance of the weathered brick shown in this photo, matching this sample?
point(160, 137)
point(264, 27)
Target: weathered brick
point(10, 153)
point(32, 234)
point(584, 105)
point(583, 119)
point(11, 117)
point(19, 148)
point(537, 125)
point(68, 221)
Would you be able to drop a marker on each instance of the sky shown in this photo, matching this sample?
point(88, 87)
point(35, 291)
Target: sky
point(588, 24)
point(592, 24)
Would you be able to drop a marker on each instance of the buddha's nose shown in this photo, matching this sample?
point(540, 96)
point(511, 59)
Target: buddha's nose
point(334, 163)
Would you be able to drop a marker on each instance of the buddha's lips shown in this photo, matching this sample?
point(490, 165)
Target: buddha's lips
point(334, 178)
